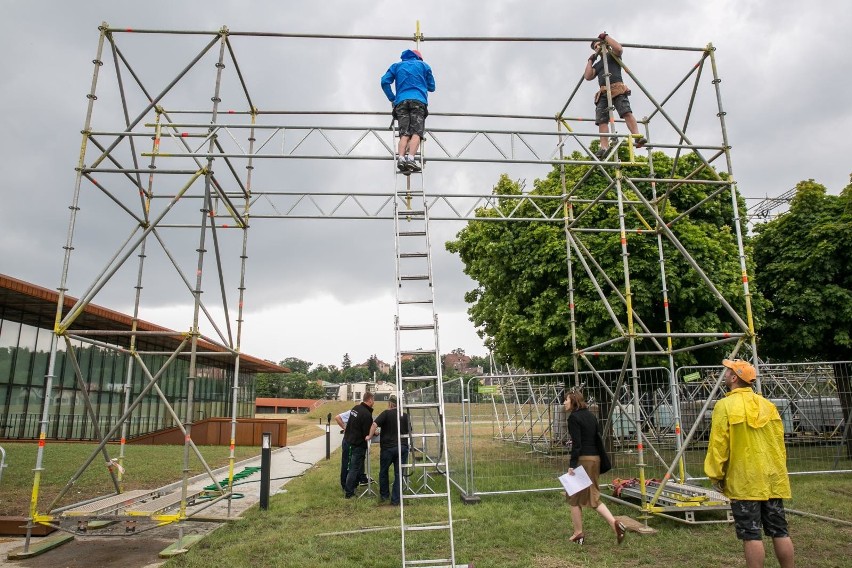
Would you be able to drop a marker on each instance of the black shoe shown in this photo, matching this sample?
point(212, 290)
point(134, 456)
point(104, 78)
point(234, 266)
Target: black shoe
point(601, 153)
point(641, 141)
point(413, 166)
point(402, 165)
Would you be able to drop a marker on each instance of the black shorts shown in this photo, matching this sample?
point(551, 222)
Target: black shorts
point(621, 104)
point(411, 115)
point(750, 515)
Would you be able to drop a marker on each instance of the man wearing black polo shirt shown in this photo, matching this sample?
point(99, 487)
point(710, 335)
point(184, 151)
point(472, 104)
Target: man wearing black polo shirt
point(357, 434)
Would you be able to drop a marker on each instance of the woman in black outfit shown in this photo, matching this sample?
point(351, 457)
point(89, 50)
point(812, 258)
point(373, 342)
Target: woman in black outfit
point(583, 427)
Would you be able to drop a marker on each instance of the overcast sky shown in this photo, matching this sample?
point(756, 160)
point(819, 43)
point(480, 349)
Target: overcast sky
point(321, 288)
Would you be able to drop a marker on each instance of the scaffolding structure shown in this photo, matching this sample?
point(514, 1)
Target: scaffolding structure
point(170, 169)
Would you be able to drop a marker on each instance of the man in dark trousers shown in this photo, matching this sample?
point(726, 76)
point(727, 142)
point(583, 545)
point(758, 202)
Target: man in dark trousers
point(392, 447)
point(618, 90)
point(341, 420)
point(357, 434)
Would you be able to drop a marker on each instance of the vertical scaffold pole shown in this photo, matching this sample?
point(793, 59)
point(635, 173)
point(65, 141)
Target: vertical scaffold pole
point(736, 212)
point(206, 210)
point(242, 289)
point(631, 332)
point(673, 387)
point(568, 216)
point(51, 366)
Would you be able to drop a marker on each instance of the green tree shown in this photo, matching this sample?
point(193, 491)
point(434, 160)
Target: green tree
point(347, 362)
point(373, 366)
point(420, 366)
point(330, 373)
point(267, 385)
point(520, 304)
point(296, 365)
point(355, 375)
point(804, 260)
point(477, 361)
point(299, 385)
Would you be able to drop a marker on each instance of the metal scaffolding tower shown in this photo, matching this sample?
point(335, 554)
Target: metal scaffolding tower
point(170, 170)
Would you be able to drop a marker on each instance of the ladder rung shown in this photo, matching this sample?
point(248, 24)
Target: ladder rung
point(415, 301)
point(424, 434)
point(423, 405)
point(410, 213)
point(425, 495)
point(412, 233)
point(413, 255)
point(423, 465)
point(417, 327)
point(429, 528)
point(421, 378)
point(415, 277)
point(418, 352)
point(429, 563)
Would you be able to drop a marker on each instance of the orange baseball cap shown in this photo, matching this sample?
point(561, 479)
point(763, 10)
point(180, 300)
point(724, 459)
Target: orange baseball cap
point(743, 369)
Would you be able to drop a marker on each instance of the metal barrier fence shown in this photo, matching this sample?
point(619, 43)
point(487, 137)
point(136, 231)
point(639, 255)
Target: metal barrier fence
point(508, 433)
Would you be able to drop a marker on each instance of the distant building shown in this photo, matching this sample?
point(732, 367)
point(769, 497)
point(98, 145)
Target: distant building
point(355, 391)
point(460, 363)
point(27, 316)
point(383, 367)
point(286, 405)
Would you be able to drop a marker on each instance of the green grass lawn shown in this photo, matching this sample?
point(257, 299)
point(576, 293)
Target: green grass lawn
point(146, 467)
point(511, 531)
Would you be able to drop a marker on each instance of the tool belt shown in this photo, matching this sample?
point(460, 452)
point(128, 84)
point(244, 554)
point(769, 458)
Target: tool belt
point(615, 88)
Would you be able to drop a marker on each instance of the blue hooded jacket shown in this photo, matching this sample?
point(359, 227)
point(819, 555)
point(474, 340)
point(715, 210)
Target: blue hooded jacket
point(413, 79)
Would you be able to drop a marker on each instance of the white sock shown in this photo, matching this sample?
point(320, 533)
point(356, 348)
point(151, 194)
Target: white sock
point(409, 157)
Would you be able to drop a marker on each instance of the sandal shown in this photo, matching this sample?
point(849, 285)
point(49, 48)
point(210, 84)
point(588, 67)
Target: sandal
point(578, 538)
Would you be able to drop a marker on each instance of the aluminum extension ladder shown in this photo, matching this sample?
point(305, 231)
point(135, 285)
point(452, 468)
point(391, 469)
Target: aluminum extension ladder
point(427, 530)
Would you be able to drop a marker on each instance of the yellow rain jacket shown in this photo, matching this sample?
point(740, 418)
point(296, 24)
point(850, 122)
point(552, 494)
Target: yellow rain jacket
point(746, 452)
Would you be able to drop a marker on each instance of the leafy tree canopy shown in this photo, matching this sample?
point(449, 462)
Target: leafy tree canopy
point(521, 306)
point(804, 260)
point(296, 365)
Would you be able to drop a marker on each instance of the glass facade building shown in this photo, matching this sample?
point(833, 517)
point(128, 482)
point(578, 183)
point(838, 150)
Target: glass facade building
point(26, 321)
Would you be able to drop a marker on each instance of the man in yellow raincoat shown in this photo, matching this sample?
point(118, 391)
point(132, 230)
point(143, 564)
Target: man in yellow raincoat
point(746, 459)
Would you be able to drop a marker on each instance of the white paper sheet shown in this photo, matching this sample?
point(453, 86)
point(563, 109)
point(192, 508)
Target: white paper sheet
point(577, 482)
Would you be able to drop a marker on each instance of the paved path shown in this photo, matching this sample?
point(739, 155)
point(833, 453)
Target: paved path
point(287, 463)
point(140, 551)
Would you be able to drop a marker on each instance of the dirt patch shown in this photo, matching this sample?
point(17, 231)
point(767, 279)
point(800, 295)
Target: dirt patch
point(136, 551)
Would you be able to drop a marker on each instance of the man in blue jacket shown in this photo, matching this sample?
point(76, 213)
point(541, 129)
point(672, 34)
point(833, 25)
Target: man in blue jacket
point(414, 81)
